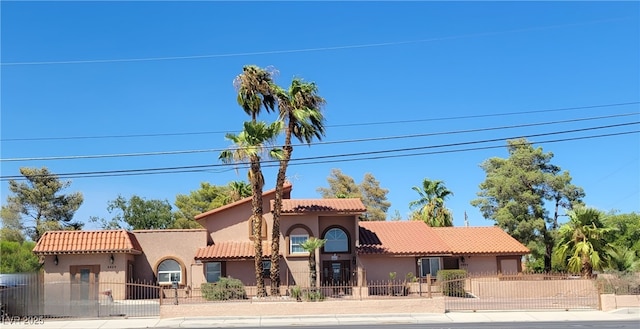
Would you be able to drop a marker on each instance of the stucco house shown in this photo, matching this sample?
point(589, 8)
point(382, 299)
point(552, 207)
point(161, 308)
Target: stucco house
point(356, 252)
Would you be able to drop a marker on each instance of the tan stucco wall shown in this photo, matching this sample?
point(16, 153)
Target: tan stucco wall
point(495, 288)
point(378, 268)
point(232, 224)
point(610, 302)
point(480, 264)
point(180, 245)
point(57, 278)
point(408, 305)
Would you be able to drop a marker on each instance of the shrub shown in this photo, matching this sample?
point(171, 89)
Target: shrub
point(296, 293)
point(452, 282)
point(313, 296)
point(225, 289)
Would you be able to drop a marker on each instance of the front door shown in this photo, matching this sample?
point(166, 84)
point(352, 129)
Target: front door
point(84, 289)
point(336, 273)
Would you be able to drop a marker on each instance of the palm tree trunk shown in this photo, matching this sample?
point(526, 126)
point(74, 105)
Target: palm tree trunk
point(312, 270)
point(277, 210)
point(256, 205)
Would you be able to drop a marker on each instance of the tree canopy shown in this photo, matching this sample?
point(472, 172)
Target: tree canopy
point(518, 191)
point(138, 213)
point(38, 205)
point(369, 191)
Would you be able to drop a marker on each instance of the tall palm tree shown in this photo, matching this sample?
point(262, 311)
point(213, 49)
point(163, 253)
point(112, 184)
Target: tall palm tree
point(250, 144)
point(300, 110)
point(430, 206)
point(310, 246)
point(582, 243)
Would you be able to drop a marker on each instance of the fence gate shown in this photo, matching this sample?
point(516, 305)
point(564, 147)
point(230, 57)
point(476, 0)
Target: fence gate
point(520, 292)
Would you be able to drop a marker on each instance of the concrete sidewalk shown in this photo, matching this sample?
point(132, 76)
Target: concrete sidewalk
point(270, 321)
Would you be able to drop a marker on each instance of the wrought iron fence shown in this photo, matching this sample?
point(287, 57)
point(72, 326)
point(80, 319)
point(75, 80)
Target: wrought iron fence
point(520, 292)
point(619, 283)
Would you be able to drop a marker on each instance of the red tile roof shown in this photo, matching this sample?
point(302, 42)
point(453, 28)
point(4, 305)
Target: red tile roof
point(400, 238)
point(231, 250)
point(287, 189)
point(480, 240)
point(298, 206)
point(80, 242)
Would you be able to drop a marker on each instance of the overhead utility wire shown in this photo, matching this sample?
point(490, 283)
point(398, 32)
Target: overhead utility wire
point(3, 178)
point(76, 157)
point(297, 163)
point(303, 50)
point(331, 126)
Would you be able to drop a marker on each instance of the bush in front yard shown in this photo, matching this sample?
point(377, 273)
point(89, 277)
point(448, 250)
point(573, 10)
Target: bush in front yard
point(225, 289)
point(452, 282)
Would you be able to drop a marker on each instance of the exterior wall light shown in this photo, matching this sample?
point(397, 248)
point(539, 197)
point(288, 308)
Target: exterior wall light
point(111, 260)
point(55, 260)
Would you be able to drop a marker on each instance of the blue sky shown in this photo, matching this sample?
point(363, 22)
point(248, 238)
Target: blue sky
point(75, 73)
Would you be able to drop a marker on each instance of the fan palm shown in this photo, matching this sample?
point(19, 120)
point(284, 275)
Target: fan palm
point(250, 144)
point(255, 90)
point(310, 246)
point(300, 110)
point(582, 243)
point(430, 206)
point(239, 190)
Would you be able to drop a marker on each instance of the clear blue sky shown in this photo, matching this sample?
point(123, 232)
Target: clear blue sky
point(74, 73)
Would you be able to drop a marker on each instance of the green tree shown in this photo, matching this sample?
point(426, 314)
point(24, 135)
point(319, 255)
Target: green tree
point(369, 191)
point(582, 242)
point(16, 257)
point(625, 255)
point(517, 191)
point(12, 227)
point(374, 198)
point(310, 246)
point(138, 214)
point(40, 203)
point(250, 144)
point(430, 206)
point(340, 186)
point(300, 111)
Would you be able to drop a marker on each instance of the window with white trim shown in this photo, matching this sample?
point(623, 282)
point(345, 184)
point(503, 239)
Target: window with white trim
point(169, 271)
point(429, 265)
point(337, 241)
point(295, 242)
point(213, 271)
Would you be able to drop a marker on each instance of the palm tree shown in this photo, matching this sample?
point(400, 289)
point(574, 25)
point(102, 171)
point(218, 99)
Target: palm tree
point(300, 110)
point(255, 90)
point(582, 243)
point(239, 190)
point(310, 246)
point(430, 206)
point(249, 145)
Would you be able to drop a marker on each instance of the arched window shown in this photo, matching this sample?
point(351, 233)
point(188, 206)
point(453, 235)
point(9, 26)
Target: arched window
point(169, 271)
point(337, 240)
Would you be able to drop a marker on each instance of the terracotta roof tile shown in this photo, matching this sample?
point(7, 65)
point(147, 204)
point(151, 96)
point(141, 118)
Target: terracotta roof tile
point(231, 249)
point(401, 238)
point(78, 242)
point(287, 189)
point(297, 206)
point(480, 240)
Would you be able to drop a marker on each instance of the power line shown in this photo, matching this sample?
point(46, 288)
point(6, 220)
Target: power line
point(303, 50)
point(126, 172)
point(77, 157)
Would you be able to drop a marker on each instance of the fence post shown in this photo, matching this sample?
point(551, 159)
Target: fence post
point(429, 285)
